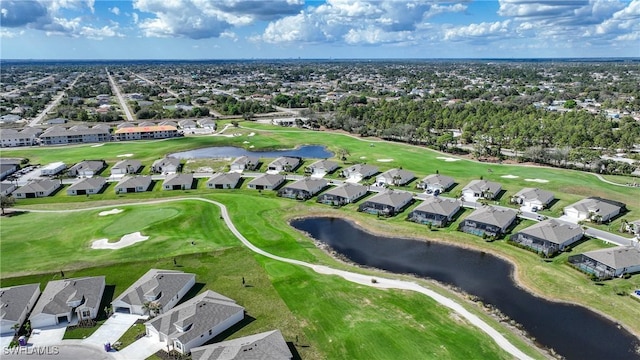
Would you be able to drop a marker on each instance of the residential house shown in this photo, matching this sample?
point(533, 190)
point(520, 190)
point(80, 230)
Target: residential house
point(303, 189)
point(533, 198)
point(177, 181)
point(387, 203)
point(166, 165)
point(594, 209)
point(87, 168)
point(15, 304)
point(266, 182)
point(162, 289)
point(632, 227)
point(169, 123)
point(195, 322)
point(436, 183)
point(52, 169)
point(395, 177)
point(64, 301)
point(358, 172)
point(37, 188)
point(86, 186)
point(6, 188)
point(207, 123)
point(146, 132)
point(608, 263)
point(549, 237)
point(321, 168)
point(133, 184)
point(245, 163)
point(481, 189)
point(8, 169)
point(284, 163)
point(224, 181)
point(268, 345)
point(126, 167)
point(489, 220)
point(187, 124)
point(435, 210)
point(343, 194)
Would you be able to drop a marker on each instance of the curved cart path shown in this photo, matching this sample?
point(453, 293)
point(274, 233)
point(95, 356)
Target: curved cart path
point(382, 283)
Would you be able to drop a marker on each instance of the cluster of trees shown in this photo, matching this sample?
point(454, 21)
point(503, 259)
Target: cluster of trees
point(228, 105)
point(294, 101)
point(157, 112)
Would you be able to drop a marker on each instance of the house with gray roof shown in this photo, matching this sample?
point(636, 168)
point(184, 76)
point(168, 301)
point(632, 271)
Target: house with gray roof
point(195, 322)
point(15, 304)
point(133, 184)
point(489, 220)
point(37, 188)
point(435, 210)
point(6, 188)
point(284, 163)
point(8, 169)
point(594, 209)
point(187, 124)
point(608, 263)
point(126, 167)
point(87, 168)
point(321, 168)
point(481, 189)
point(395, 177)
point(163, 288)
point(178, 181)
point(436, 183)
point(207, 123)
point(303, 189)
point(269, 345)
point(12, 138)
point(387, 203)
point(344, 194)
point(549, 237)
point(68, 300)
point(224, 180)
point(243, 163)
point(167, 165)
point(86, 186)
point(266, 182)
point(358, 172)
point(533, 198)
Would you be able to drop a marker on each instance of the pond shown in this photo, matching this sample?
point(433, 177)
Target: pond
point(306, 152)
point(573, 331)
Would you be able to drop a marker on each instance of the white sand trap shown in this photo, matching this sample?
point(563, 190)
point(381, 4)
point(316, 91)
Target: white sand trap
point(385, 160)
point(125, 155)
point(125, 241)
point(252, 134)
point(251, 147)
point(510, 176)
point(245, 142)
point(448, 159)
point(537, 180)
point(363, 157)
point(110, 212)
point(97, 145)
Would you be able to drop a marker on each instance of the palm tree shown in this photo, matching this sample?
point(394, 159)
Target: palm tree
point(15, 328)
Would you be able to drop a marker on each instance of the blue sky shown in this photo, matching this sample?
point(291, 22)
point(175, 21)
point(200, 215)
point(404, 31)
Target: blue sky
point(264, 29)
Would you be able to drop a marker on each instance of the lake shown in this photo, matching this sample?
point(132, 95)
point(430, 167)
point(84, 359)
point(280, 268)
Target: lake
point(307, 152)
point(573, 331)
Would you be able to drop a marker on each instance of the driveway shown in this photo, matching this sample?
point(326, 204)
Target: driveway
point(57, 352)
point(5, 340)
point(112, 329)
point(50, 335)
point(140, 349)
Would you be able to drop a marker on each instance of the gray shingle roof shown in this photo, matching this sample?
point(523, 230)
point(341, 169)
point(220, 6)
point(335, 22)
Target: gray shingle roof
point(437, 179)
point(596, 205)
point(403, 175)
point(166, 161)
point(326, 165)
point(391, 198)
point(480, 186)
point(284, 161)
point(491, 215)
point(134, 164)
point(308, 184)
point(38, 185)
point(363, 169)
point(179, 179)
point(93, 165)
point(14, 299)
point(553, 230)
point(134, 182)
point(439, 205)
point(224, 178)
point(55, 296)
point(529, 194)
point(268, 345)
point(166, 283)
point(347, 190)
point(96, 182)
point(245, 160)
point(618, 257)
point(267, 180)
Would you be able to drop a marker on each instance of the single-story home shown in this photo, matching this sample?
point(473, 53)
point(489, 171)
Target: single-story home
point(53, 169)
point(489, 220)
point(86, 186)
point(436, 183)
point(207, 123)
point(435, 210)
point(64, 301)
point(87, 168)
point(594, 209)
point(195, 322)
point(245, 163)
point(387, 203)
point(321, 168)
point(608, 263)
point(396, 177)
point(266, 182)
point(37, 188)
point(8, 169)
point(126, 167)
point(133, 184)
point(267, 345)
point(303, 189)
point(284, 163)
point(166, 165)
point(549, 236)
point(224, 181)
point(6, 188)
point(533, 198)
point(187, 124)
point(16, 303)
point(178, 181)
point(343, 194)
point(632, 227)
point(162, 288)
point(357, 172)
point(481, 189)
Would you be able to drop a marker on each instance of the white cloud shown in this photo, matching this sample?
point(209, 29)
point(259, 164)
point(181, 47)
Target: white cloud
point(483, 31)
point(5, 33)
point(115, 10)
point(99, 33)
point(135, 18)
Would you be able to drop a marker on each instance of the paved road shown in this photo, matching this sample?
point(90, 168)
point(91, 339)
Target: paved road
point(116, 90)
point(56, 100)
point(27, 85)
point(608, 237)
point(173, 93)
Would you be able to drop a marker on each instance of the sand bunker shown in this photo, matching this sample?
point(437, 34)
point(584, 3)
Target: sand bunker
point(510, 176)
point(110, 212)
point(385, 160)
point(252, 134)
point(363, 157)
point(251, 147)
point(125, 241)
point(245, 142)
point(537, 180)
point(448, 159)
point(97, 145)
point(124, 155)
